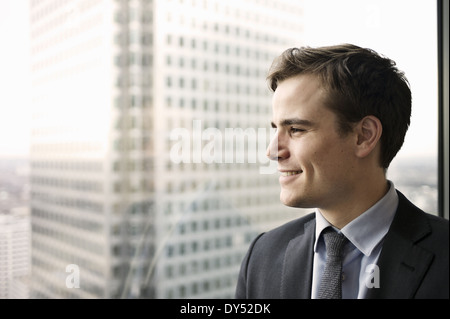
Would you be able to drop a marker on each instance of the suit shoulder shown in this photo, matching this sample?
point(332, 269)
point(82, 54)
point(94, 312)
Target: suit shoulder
point(420, 226)
point(288, 230)
point(294, 225)
point(438, 222)
point(439, 228)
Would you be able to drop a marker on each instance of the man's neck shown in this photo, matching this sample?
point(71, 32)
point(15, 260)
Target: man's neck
point(362, 198)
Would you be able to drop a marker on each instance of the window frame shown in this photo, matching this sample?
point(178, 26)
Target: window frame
point(443, 107)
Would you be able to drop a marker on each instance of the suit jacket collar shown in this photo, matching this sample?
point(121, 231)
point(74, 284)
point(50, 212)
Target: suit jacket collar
point(298, 263)
point(402, 262)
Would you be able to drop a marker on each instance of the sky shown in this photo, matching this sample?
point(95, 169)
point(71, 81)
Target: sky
point(403, 30)
point(14, 80)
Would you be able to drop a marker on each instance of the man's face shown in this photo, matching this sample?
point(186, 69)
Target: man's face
point(314, 160)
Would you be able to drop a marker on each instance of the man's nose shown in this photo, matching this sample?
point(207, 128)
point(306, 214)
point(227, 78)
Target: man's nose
point(275, 149)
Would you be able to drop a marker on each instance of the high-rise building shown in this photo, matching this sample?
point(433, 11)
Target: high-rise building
point(118, 208)
point(14, 253)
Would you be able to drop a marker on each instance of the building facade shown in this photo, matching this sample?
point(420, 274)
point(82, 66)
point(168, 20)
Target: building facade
point(15, 253)
point(133, 177)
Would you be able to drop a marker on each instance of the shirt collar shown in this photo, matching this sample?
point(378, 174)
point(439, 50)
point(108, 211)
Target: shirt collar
point(367, 230)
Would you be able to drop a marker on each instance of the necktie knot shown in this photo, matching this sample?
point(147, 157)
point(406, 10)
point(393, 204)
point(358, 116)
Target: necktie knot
point(334, 242)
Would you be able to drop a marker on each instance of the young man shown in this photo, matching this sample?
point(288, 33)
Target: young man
point(341, 114)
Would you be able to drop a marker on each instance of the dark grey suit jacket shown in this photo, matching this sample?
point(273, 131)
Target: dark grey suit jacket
point(414, 261)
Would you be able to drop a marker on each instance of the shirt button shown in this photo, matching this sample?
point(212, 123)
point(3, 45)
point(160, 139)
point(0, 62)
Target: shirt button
point(343, 277)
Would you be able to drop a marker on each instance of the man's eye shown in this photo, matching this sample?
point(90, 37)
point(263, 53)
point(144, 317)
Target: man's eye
point(296, 130)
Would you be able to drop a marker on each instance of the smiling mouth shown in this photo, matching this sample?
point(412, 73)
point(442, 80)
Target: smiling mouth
point(290, 173)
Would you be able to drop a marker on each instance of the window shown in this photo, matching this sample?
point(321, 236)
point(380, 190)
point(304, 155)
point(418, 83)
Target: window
point(117, 196)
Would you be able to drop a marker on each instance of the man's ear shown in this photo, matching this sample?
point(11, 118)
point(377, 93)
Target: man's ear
point(369, 131)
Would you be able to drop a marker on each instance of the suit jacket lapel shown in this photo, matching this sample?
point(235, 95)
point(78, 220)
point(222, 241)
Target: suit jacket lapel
point(402, 263)
point(298, 263)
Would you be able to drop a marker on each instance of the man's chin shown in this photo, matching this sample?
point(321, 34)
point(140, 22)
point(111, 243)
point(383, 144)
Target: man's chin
point(296, 201)
point(290, 201)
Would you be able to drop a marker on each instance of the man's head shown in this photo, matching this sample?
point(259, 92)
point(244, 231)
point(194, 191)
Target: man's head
point(341, 115)
point(358, 82)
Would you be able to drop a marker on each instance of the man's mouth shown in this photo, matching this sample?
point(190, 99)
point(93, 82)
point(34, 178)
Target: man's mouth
point(290, 173)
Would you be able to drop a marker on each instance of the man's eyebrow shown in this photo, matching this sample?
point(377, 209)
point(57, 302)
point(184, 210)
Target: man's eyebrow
point(293, 121)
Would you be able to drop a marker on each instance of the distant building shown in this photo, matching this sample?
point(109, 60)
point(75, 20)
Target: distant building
point(15, 253)
point(111, 82)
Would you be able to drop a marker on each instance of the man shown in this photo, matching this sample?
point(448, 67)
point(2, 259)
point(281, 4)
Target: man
point(341, 114)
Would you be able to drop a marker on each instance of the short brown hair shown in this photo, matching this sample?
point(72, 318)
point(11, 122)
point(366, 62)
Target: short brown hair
point(359, 82)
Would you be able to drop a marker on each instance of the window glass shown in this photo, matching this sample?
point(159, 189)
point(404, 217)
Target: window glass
point(141, 132)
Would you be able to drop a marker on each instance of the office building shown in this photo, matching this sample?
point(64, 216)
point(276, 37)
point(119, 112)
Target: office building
point(115, 212)
point(15, 253)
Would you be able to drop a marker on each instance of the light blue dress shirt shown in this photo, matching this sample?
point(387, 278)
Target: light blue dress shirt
point(365, 234)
